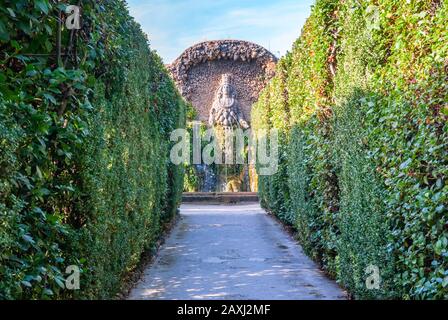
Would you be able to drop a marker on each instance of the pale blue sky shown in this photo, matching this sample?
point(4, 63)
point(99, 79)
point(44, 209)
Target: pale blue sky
point(175, 25)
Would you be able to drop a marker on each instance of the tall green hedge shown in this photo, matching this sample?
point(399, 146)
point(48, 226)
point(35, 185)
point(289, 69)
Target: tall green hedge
point(85, 176)
point(367, 150)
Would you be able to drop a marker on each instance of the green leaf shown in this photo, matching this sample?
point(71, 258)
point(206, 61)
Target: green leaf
point(405, 164)
point(15, 44)
point(48, 29)
point(28, 238)
point(62, 6)
point(39, 173)
point(445, 282)
point(445, 110)
point(31, 73)
point(48, 45)
point(42, 5)
point(438, 247)
point(50, 98)
point(11, 12)
point(59, 282)
point(48, 292)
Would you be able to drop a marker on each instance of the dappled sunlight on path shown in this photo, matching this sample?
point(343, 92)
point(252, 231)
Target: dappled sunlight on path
point(232, 252)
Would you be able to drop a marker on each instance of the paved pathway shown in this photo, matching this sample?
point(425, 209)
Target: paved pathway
point(232, 252)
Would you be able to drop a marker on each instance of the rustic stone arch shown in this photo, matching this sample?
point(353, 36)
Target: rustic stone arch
point(198, 70)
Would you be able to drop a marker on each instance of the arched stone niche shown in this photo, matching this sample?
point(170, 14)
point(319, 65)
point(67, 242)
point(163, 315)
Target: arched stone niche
point(199, 70)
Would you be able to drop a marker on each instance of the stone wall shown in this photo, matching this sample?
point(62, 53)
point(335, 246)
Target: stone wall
point(198, 72)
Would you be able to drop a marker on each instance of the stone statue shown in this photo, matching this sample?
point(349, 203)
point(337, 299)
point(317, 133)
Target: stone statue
point(225, 111)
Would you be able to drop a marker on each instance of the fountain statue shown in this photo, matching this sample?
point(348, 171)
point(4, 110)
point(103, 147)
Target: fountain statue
point(225, 111)
point(226, 116)
point(222, 79)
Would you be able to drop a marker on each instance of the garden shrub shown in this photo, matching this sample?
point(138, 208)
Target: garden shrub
point(85, 176)
point(368, 158)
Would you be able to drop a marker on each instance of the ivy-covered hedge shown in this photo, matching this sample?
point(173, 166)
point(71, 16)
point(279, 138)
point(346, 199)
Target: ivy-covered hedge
point(85, 177)
point(365, 162)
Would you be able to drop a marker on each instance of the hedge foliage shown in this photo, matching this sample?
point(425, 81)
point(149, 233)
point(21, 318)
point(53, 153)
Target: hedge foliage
point(362, 101)
point(85, 177)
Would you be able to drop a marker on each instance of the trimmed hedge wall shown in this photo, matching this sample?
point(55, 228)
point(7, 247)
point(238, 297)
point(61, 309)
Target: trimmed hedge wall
point(85, 176)
point(363, 175)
